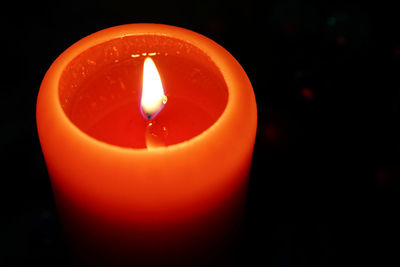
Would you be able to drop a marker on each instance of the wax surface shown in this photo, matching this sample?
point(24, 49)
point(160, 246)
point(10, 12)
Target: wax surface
point(106, 84)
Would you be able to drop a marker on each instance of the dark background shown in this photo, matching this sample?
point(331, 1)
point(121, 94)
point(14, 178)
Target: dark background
point(324, 187)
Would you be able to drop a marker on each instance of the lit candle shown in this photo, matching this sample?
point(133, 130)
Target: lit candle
point(116, 93)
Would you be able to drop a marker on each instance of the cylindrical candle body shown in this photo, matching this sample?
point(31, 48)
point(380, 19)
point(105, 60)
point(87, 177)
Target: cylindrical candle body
point(165, 204)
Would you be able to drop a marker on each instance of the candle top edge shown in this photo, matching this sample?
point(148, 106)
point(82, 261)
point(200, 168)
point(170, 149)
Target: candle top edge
point(239, 87)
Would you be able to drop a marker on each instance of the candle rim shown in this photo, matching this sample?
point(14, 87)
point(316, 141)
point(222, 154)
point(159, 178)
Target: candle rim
point(214, 51)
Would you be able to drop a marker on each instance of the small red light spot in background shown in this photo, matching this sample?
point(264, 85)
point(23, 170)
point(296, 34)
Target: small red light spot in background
point(396, 51)
point(270, 133)
point(290, 30)
point(216, 26)
point(383, 177)
point(341, 41)
point(307, 93)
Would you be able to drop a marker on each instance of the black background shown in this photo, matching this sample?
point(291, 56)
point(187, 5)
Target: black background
point(324, 187)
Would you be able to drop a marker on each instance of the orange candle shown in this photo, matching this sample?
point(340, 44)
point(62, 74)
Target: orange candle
point(114, 191)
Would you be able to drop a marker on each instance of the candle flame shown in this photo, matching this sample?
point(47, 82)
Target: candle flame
point(153, 98)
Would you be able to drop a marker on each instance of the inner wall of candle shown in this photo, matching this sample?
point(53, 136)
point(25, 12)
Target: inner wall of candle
point(100, 91)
